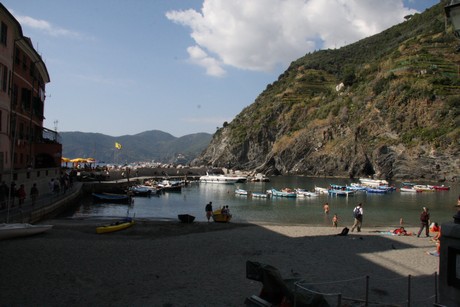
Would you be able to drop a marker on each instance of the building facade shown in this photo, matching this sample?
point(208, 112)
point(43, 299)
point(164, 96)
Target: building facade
point(25, 145)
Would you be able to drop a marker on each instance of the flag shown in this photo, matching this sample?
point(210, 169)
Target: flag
point(117, 145)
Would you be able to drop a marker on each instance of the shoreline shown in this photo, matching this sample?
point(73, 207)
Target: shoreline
point(166, 263)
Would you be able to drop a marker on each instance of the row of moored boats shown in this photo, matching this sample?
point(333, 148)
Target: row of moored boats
point(371, 186)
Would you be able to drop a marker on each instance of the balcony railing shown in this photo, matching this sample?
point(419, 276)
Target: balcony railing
point(50, 136)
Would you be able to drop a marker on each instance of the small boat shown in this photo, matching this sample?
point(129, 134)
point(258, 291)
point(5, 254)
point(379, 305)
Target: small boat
point(116, 226)
point(186, 218)
point(409, 189)
point(14, 230)
point(424, 187)
point(140, 190)
point(320, 190)
point(441, 188)
point(241, 192)
point(222, 179)
point(220, 217)
point(338, 190)
point(376, 190)
point(356, 187)
point(373, 182)
point(305, 193)
point(259, 195)
point(170, 186)
point(284, 193)
point(112, 198)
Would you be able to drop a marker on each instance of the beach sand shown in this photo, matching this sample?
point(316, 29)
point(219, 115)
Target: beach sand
point(167, 263)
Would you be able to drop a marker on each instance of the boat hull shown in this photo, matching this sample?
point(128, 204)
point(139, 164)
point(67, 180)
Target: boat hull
point(222, 179)
point(8, 231)
point(186, 218)
point(120, 225)
point(276, 193)
point(218, 217)
point(113, 198)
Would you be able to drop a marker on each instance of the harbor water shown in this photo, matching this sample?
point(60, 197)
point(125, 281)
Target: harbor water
point(380, 210)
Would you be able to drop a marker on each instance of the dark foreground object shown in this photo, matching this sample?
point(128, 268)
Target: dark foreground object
point(186, 218)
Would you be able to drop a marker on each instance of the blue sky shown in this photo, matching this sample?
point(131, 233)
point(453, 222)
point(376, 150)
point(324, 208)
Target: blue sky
point(122, 67)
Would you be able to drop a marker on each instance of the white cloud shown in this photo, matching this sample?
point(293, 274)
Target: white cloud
point(199, 57)
point(45, 26)
point(260, 35)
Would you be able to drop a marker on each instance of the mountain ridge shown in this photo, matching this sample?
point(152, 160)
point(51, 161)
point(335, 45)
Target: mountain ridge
point(144, 146)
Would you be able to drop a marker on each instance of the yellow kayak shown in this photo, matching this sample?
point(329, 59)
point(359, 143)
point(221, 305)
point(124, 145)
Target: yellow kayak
point(219, 217)
point(119, 225)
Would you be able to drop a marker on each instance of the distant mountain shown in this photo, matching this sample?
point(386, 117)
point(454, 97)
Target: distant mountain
point(386, 106)
point(145, 146)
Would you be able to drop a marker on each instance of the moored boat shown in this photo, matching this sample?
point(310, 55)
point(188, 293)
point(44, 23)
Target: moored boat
point(112, 198)
point(14, 230)
point(376, 190)
point(373, 182)
point(115, 226)
point(320, 190)
point(424, 187)
point(277, 193)
point(222, 179)
point(241, 192)
point(305, 193)
point(409, 189)
point(441, 188)
point(170, 186)
point(140, 190)
point(259, 195)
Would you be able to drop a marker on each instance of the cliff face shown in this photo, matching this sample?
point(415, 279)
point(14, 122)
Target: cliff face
point(386, 106)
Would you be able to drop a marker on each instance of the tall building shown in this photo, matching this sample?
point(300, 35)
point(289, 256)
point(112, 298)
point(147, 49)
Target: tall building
point(28, 150)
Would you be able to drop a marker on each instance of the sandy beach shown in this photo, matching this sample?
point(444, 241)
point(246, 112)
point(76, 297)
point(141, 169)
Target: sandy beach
point(167, 263)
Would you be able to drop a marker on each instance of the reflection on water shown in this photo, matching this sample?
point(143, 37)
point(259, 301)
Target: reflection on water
point(379, 209)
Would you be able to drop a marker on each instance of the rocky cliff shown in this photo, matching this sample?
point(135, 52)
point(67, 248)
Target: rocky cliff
point(386, 106)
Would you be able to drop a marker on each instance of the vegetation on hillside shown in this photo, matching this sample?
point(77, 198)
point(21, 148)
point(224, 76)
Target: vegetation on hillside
point(393, 94)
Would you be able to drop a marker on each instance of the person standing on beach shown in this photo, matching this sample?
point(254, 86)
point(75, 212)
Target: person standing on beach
point(21, 195)
point(358, 215)
point(34, 193)
point(326, 208)
point(208, 210)
point(424, 222)
point(335, 221)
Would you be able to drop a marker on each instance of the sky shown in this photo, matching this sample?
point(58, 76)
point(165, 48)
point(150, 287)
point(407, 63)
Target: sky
point(122, 67)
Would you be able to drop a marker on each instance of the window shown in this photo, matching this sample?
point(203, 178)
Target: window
point(3, 77)
point(24, 62)
point(3, 34)
point(26, 97)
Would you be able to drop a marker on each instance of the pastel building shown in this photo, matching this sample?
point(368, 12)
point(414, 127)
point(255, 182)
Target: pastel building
point(28, 151)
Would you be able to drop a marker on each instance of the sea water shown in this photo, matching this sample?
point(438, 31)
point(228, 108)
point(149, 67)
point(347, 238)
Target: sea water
point(383, 210)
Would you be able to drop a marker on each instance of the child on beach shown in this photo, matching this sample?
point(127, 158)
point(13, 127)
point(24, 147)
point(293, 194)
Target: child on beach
point(335, 220)
point(326, 208)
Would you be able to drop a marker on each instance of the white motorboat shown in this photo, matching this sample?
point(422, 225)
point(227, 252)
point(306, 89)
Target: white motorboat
point(241, 192)
point(408, 189)
point(222, 179)
point(373, 182)
point(305, 193)
point(320, 190)
point(14, 230)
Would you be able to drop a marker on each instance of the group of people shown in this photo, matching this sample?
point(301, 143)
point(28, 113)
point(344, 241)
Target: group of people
point(225, 210)
point(63, 183)
point(12, 193)
point(358, 213)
